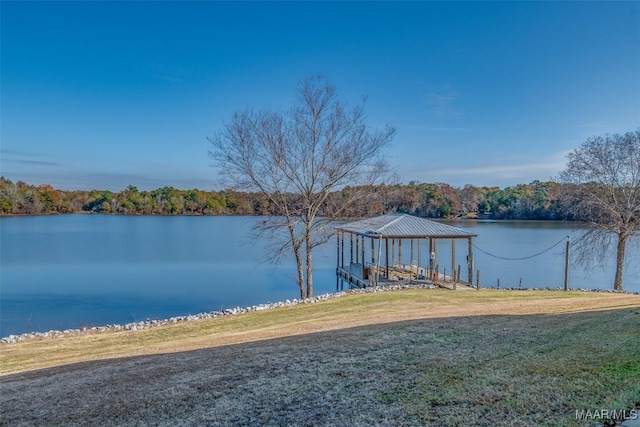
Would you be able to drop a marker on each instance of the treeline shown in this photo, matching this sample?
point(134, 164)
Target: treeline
point(537, 200)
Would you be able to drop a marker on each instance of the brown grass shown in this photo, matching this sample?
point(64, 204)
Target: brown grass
point(420, 357)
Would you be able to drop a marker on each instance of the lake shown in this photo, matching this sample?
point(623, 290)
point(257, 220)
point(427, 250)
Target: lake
point(70, 271)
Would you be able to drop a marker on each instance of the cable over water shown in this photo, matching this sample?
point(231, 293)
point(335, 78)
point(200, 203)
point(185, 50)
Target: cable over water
point(521, 258)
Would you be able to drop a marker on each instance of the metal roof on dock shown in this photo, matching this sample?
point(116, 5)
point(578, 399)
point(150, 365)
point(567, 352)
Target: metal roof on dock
point(403, 226)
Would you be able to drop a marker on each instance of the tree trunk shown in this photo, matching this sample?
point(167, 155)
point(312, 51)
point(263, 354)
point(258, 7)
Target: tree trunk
point(622, 245)
point(309, 266)
point(301, 281)
point(298, 255)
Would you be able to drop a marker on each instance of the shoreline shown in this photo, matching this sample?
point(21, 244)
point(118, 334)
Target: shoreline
point(151, 323)
point(481, 218)
point(416, 357)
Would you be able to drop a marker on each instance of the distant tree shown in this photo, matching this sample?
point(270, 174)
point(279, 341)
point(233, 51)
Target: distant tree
point(470, 199)
point(10, 196)
point(100, 201)
point(49, 198)
point(603, 189)
point(128, 200)
point(297, 159)
point(451, 199)
point(192, 201)
point(32, 202)
point(148, 204)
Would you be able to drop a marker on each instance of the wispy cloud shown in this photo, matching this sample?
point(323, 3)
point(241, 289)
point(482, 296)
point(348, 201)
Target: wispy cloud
point(113, 181)
point(120, 181)
point(31, 162)
point(444, 102)
point(507, 171)
point(4, 151)
point(510, 168)
point(25, 158)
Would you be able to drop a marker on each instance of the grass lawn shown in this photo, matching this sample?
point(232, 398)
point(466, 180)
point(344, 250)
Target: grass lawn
point(415, 357)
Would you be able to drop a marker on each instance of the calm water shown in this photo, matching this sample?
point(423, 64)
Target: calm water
point(69, 271)
point(519, 239)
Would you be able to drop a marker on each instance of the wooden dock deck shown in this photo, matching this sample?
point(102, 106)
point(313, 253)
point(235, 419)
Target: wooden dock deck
point(354, 280)
point(400, 274)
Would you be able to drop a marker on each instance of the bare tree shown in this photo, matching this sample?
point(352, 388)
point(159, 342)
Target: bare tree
point(297, 159)
point(603, 189)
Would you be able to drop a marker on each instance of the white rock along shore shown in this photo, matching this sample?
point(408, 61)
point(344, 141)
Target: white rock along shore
point(146, 324)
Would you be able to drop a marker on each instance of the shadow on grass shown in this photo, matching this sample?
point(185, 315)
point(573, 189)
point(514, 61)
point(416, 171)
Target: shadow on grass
point(530, 370)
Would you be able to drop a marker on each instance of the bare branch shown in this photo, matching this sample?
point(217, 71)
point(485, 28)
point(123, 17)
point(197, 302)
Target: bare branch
point(604, 192)
point(297, 159)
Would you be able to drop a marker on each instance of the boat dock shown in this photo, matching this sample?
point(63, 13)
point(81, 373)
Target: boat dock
point(369, 252)
point(372, 276)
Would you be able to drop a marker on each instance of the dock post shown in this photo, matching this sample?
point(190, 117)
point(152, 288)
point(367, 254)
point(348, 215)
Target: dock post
point(419, 254)
point(432, 257)
point(393, 250)
point(453, 259)
point(386, 253)
point(470, 261)
point(412, 258)
point(373, 252)
point(342, 250)
point(566, 266)
point(338, 249)
point(350, 248)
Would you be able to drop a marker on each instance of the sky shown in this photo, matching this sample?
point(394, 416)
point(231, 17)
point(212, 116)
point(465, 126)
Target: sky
point(102, 95)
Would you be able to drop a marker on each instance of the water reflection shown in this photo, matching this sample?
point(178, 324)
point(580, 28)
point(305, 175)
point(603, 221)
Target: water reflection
point(66, 271)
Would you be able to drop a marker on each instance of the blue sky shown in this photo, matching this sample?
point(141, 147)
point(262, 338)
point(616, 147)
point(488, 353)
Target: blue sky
point(107, 94)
